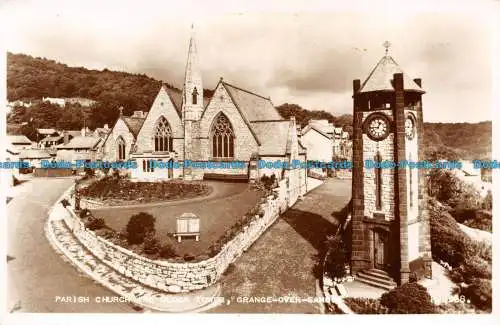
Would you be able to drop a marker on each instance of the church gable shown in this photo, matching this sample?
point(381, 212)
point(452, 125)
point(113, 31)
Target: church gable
point(245, 140)
point(163, 106)
point(119, 134)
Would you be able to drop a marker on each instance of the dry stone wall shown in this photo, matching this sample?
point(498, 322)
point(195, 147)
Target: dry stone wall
point(183, 276)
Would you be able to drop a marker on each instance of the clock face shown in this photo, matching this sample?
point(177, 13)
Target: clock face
point(409, 128)
point(378, 128)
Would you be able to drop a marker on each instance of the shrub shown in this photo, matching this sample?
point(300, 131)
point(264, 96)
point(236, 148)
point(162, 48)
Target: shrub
point(366, 306)
point(269, 182)
point(410, 298)
point(336, 257)
point(84, 213)
point(454, 308)
point(448, 242)
point(480, 249)
point(95, 223)
point(65, 203)
point(139, 226)
point(479, 293)
point(167, 250)
point(151, 244)
point(417, 270)
point(473, 268)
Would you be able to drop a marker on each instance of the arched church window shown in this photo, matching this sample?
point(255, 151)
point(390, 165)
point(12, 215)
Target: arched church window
point(121, 148)
point(163, 135)
point(222, 138)
point(195, 96)
point(378, 182)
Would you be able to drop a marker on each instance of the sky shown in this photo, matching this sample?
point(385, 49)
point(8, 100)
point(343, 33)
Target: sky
point(302, 52)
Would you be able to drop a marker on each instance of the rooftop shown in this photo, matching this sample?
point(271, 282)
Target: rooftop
point(381, 77)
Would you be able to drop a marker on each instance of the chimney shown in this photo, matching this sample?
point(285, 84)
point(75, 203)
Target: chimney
point(83, 132)
point(65, 137)
point(106, 126)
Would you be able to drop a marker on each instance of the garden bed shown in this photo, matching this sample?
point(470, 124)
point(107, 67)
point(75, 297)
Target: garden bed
point(113, 191)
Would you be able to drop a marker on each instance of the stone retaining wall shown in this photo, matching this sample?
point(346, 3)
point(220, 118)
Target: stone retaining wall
point(182, 276)
point(90, 204)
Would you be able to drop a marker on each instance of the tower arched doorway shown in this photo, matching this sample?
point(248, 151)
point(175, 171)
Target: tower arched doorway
point(380, 249)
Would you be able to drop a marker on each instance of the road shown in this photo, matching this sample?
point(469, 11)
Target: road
point(37, 277)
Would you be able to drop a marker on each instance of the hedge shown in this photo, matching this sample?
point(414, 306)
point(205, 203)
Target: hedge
point(410, 298)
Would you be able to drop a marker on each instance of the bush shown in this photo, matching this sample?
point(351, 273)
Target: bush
point(448, 242)
point(366, 306)
point(417, 270)
point(139, 226)
point(480, 249)
point(336, 257)
point(95, 223)
point(410, 298)
point(84, 213)
point(167, 250)
point(269, 182)
point(65, 203)
point(473, 268)
point(151, 244)
point(479, 293)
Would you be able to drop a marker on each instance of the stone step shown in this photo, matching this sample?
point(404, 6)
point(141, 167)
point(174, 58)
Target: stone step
point(375, 283)
point(378, 275)
point(384, 281)
point(379, 271)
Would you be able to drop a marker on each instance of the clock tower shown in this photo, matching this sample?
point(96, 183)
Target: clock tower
point(390, 225)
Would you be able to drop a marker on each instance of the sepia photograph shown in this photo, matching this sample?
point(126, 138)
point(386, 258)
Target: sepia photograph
point(302, 157)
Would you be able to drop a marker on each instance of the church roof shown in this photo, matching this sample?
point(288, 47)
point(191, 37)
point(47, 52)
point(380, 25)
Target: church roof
point(254, 107)
point(381, 77)
point(134, 124)
point(273, 136)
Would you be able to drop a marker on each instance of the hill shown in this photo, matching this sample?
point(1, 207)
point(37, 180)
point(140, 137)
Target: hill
point(33, 78)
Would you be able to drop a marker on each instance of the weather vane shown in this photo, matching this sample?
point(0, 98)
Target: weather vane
point(387, 44)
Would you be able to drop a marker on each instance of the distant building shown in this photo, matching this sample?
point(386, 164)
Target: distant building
point(80, 148)
point(470, 175)
point(19, 142)
point(318, 142)
point(85, 102)
point(57, 101)
point(34, 156)
point(46, 132)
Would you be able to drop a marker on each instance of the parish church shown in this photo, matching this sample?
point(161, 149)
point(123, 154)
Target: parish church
point(232, 125)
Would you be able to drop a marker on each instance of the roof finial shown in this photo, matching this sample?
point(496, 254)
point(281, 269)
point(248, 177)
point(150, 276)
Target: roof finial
point(121, 110)
point(387, 44)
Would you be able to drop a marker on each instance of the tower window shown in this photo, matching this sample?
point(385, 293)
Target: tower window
point(222, 138)
point(195, 96)
point(378, 183)
point(163, 135)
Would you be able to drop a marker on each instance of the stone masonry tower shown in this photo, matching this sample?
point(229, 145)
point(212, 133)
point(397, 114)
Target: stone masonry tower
point(390, 224)
point(192, 106)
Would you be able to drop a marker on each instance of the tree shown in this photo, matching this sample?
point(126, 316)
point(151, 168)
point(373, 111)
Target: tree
point(139, 226)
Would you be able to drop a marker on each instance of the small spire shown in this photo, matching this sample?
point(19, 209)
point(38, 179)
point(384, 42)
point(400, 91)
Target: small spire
point(121, 110)
point(387, 44)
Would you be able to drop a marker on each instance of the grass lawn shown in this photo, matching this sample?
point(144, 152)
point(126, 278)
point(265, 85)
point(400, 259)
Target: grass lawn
point(218, 212)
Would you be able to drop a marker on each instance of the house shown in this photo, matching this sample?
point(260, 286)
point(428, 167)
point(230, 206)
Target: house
point(34, 156)
point(79, 148)
point(19, 142)
point(57, 101)
point(319, 143)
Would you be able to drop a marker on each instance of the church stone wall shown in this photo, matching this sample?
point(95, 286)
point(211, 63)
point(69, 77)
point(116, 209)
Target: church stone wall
point(245, 143)
point(162, 106)
point(111, 147)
